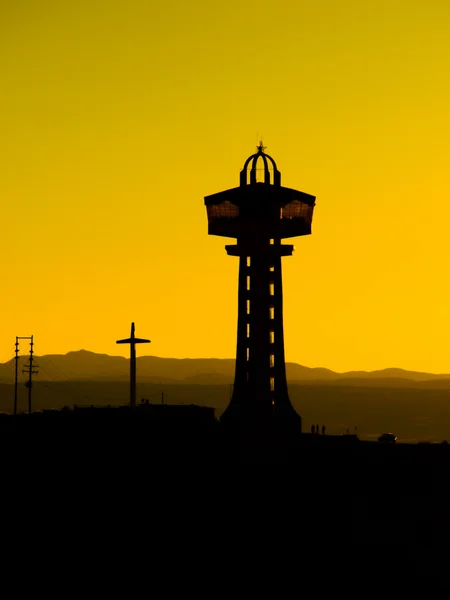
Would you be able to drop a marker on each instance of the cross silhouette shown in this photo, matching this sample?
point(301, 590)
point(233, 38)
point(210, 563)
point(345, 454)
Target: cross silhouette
point(133, 341)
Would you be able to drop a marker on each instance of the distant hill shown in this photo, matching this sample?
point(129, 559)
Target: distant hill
point(90, 366)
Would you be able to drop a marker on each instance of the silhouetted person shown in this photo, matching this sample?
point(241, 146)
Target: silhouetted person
point(317, 429)
point(323, 429)
point(313, 429)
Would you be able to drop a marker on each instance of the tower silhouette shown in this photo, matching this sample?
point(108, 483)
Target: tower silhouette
point(259, 214)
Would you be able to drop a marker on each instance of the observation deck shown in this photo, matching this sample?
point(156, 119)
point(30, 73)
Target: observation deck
point(260, 208)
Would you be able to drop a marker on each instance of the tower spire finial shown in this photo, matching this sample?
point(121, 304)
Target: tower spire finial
point(261, 147)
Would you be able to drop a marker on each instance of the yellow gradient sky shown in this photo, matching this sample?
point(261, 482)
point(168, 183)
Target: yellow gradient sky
point(117, 118)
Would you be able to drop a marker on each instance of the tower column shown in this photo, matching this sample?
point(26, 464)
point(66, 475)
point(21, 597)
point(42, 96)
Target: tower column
point(260, 388)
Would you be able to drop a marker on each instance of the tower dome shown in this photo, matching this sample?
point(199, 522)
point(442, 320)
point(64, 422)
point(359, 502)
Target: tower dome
point(251, 167)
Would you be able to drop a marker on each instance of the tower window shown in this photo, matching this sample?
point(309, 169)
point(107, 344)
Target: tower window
point(248, 353)
point(248, 330)
point(248, 307)
point(272, 241)
point(272, 384)
point(272, 313)
point(248, 261)
point(272, 289)
point(272, 337)
point(297, 210)
point(248, 282)
point(271, 268)
point(272, 360)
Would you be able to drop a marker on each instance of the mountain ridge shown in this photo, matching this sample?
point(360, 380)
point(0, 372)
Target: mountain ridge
point(86, 365)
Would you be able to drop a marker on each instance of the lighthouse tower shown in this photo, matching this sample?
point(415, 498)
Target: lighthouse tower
point(259, 214)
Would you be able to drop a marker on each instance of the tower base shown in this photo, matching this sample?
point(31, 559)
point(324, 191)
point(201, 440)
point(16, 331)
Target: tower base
point(261, 437)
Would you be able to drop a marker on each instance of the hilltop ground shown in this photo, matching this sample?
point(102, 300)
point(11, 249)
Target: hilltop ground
point(412, 413)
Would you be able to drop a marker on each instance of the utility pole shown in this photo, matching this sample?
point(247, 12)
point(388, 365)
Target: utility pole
point(16, 378)
point(30, 371)
point(16, 375)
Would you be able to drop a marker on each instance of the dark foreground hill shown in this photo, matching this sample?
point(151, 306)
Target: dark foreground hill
point(322, 511)
point(342, 509)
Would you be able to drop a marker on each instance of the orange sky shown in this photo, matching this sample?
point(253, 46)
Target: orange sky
point(118, 118)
